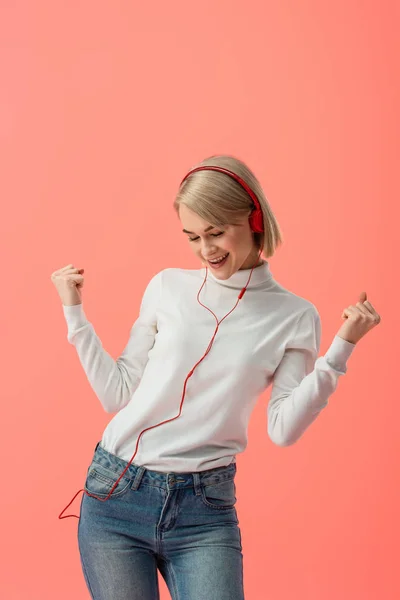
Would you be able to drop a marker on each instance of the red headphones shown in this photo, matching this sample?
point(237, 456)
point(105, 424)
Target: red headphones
point(256, 225)
point(256, 217)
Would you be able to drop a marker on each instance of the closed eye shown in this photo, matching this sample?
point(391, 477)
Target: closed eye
point(213, 234)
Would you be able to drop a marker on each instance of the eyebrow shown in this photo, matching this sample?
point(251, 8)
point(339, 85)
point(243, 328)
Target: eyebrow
point(205, 231)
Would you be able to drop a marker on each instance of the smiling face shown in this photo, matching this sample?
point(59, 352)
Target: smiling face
point(210, 242)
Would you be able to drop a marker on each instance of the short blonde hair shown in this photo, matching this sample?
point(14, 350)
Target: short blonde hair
point(221, 200)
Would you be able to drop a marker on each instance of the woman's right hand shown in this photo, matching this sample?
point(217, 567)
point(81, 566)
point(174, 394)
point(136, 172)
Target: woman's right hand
point(69, 282)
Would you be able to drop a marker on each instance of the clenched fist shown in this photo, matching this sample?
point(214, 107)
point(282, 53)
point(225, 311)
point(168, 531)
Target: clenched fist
point(361, 318)
point(69, 283)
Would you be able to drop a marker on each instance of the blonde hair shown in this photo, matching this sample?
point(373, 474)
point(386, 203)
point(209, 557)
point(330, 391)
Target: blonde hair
point(221, 200)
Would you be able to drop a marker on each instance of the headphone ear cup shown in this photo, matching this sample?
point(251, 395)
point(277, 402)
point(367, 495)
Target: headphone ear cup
point(256, 221)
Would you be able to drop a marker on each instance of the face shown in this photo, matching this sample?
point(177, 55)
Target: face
point(237, 241)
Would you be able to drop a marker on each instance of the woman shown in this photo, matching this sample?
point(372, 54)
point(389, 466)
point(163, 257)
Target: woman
point(173, 509)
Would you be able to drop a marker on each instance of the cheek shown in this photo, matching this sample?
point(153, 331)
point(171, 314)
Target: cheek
point(230, 245)
point(226, 245)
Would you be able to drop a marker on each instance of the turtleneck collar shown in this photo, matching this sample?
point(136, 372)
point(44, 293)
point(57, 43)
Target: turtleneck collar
point(238, 280)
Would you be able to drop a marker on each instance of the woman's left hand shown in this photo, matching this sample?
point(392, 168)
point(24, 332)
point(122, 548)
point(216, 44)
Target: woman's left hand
point(360, 319)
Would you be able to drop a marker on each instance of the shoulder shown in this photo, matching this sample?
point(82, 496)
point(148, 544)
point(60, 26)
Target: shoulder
point(304, 329)
point(170, 278)
point(295, 305)
point(177, 275)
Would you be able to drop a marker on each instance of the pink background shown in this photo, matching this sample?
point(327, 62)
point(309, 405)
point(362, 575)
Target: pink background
point(104, 106)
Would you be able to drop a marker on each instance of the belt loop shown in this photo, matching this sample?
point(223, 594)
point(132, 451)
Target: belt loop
point(197, 484)
point(138, 477)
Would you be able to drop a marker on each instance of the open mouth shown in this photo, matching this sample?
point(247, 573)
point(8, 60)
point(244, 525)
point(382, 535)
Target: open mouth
point(220, 263)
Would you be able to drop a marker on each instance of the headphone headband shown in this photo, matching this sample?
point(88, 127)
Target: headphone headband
point(256, 217)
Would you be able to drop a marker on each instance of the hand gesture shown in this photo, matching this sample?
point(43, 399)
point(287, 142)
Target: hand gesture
point(69, 282)
point(360, 319)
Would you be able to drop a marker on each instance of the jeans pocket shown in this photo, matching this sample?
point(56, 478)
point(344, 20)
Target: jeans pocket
point(100, 480)
point(221, 494)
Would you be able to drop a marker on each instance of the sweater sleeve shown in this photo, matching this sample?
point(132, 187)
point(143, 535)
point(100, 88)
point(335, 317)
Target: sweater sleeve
point(303, 382)
point(114, 381)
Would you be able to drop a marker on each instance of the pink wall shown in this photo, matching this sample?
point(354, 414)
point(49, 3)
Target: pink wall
point(103, 108)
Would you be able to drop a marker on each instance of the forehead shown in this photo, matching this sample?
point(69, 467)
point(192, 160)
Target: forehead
point(191, 220)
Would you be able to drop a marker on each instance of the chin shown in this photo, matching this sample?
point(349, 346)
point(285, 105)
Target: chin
point(222, 276)
point(220, 273)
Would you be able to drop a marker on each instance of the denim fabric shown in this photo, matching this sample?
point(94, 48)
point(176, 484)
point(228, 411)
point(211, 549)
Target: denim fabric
point(184, 525)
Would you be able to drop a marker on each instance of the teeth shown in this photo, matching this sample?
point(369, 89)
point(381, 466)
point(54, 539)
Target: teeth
point(219, 259)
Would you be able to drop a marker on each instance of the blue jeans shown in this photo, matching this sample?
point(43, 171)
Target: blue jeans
point(183, 524)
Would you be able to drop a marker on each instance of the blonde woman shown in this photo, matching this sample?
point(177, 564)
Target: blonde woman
point(172, 509)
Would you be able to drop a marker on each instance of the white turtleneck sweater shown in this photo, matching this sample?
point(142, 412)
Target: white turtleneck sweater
point(271, 337)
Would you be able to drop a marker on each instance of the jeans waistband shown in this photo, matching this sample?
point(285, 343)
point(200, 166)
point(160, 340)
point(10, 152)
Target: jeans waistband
point(140, 474)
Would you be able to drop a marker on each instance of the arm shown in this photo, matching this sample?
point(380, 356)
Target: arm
point(114, 382)
point(303, 382)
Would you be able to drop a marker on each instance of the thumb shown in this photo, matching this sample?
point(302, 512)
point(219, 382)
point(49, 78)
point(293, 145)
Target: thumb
point(362, 297)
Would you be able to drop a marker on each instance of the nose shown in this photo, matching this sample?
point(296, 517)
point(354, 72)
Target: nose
point(208, 249)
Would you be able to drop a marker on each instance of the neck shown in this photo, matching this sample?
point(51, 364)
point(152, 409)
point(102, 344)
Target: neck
point(260, 262)
point(261, 276)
